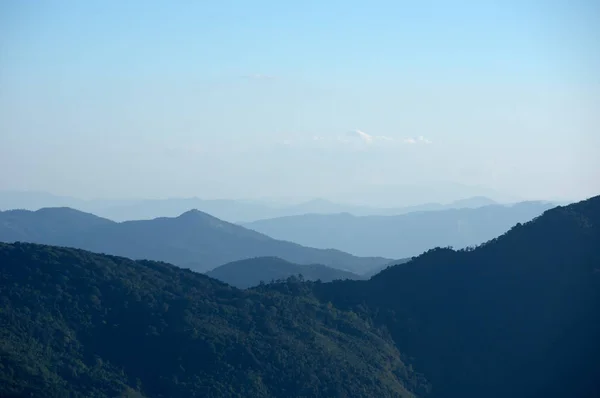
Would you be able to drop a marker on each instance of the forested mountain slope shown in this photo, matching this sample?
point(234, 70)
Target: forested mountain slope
point(519, 316)
point(80, 324)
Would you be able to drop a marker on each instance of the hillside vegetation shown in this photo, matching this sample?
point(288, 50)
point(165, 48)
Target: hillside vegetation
point(518, 316)
point(87, 325)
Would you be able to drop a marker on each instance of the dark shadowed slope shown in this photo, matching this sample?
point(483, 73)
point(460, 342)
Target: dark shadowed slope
point(518, 316)
point(194, 239)
point(252, 271)
point(80, 324)
point(400, 236)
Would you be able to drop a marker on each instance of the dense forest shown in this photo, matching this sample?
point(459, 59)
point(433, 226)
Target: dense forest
point(518, 316)
point(78, 324)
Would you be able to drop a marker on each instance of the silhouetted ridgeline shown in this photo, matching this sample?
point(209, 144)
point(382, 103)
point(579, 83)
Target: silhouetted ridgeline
point(251, 272)
point(516, 317)
point(400, 236)
point(80, 324)
point(193, 240)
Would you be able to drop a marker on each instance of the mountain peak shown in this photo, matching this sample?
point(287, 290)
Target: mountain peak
point(194, 213)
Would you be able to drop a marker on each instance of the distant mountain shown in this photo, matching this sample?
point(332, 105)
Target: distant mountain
point(194, 239)
point(408, 195)
point(252, 271)
point(229, 210)
point(375, 271)
point(237, 211)
point(403, 235)
point(517, 317)
point(83, 325)
point(245, 211)
point(51, 226)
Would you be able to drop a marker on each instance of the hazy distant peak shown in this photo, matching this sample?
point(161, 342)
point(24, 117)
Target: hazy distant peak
point(63, 212)
point(474, 201)
point(195, 214)
point(61, 209)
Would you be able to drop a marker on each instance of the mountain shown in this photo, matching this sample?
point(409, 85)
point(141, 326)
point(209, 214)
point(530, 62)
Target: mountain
point(78, 324)
point(228, 210)
point(240, 211)
point(518, 316)
point(46, 225)
point(194, 239)
point(403, 235)
point(406, 195)
point(252, 271)
point(375, 271)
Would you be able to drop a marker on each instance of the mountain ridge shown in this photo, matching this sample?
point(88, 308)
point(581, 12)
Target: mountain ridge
point(194, 239)
point(253, 271)
point(81, 324)
point(523, 307)
point(516, 316)
point(400, 236)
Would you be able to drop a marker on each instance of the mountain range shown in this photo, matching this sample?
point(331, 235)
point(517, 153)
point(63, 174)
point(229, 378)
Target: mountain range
point(518, 316)
point(402, 235)
point(236, 211)
point(253, 271)
point(83, 325)
point(193, 240)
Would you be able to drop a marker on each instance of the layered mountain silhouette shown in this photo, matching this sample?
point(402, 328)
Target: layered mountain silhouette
point(400, 236)
point(194, 240)
point(253, 271)
point(78, 324)
point(225, 209)
point(518, 316)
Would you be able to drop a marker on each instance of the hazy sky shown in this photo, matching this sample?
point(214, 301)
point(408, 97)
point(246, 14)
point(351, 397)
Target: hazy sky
point(280, 98)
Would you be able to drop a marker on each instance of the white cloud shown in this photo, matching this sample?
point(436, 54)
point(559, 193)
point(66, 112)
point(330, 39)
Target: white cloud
point(355, 138)
point(368, 139)
point(419, 140)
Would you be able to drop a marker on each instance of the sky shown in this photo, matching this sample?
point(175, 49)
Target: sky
point(253, 99)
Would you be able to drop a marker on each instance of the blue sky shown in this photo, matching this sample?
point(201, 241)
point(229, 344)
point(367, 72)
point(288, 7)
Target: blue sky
point(315, 98)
